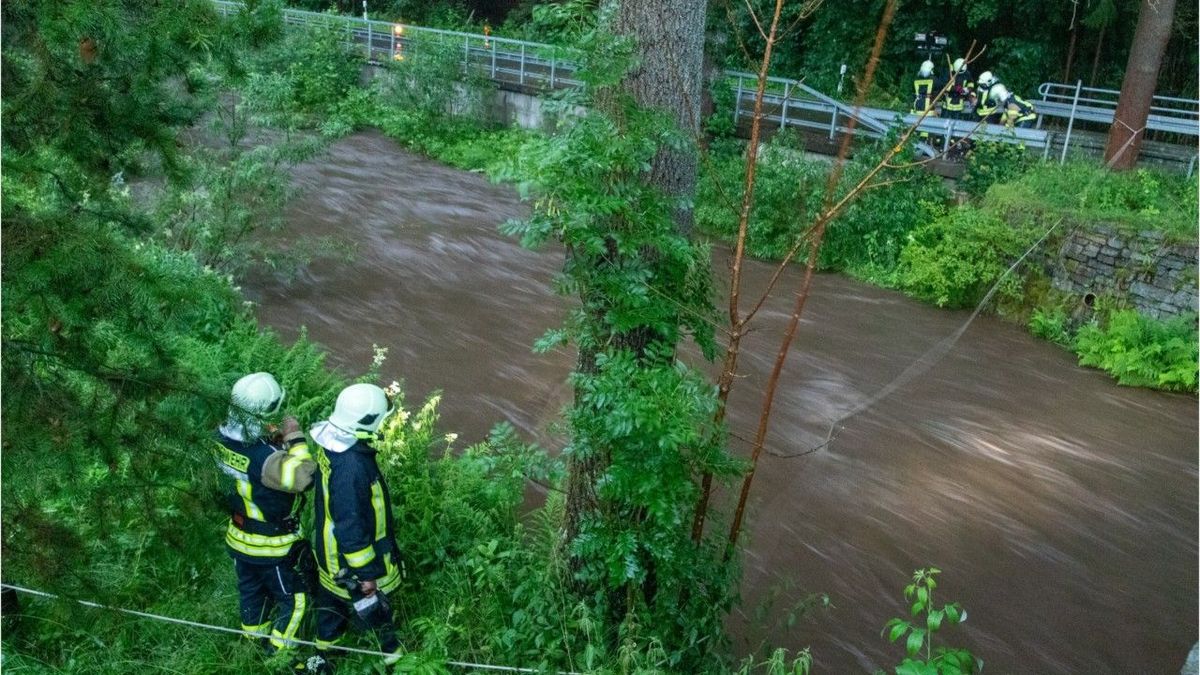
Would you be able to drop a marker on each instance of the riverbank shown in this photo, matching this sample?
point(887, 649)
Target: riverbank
point(1032, 482)
point(1122, 305)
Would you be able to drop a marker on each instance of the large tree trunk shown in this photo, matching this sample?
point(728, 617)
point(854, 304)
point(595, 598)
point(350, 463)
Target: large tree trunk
point(1141, 77)
point(669, 38)
point(670, 49)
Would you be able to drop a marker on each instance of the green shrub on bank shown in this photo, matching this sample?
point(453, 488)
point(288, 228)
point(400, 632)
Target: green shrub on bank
point(992, 162)
point(954, 261)
point(1087, 192)
point(1052, 324)
point(790, 190)
point(1143, 352)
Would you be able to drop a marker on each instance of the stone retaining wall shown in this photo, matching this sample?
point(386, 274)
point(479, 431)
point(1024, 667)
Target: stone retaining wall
point(1156, 276)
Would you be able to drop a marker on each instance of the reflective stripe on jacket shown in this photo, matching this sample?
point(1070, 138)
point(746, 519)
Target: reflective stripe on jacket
point(354, 522)
point(960, 90)
point(985, 107)
point(264, 495)
point(922, 94)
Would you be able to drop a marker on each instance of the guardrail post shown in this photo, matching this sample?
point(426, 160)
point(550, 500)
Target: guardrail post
point(370, 41)
point(1070, 122)
point(553, 62)
point(737, 103)
point(467, 50)
point(787, 92)
point(521, 73)
point(1192, 165)
point(946, 138)
point(493, 59)
point(833, 123)
point(392, 52)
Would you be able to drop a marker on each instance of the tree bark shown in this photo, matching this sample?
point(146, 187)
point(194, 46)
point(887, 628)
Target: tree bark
point(1141, 77)
point(669, 44)
point(670, 51)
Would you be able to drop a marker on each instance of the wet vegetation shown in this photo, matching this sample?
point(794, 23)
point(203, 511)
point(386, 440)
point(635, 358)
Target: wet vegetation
point(124, 238)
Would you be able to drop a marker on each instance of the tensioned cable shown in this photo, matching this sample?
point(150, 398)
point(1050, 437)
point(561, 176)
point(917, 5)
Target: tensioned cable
point(930, 358)
point(253, 634)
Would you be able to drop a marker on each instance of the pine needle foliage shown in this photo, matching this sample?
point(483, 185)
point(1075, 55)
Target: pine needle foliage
point(119, 348)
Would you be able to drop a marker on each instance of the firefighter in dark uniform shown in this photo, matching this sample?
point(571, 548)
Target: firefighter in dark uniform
point(924, 90)
point(357, 557)
point(263, 535)
point(960, 91)
point(1014, 111)
point(986, 107)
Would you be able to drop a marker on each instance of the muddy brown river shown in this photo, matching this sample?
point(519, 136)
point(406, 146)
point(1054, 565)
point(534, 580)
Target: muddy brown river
point(1061, 507)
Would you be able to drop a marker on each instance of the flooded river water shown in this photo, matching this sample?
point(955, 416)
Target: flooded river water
point(1062, 508)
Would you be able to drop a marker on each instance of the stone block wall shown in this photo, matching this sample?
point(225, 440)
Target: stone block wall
point(1156, 276)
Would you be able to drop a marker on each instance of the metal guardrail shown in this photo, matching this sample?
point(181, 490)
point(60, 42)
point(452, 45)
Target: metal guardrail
point(1090, 104)
point(787, 102)
point(540, 65)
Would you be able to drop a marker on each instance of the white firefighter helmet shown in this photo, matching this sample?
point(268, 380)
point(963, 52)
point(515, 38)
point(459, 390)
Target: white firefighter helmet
point(257, 394)
point(926, 69)
point(360, 407)
point(959, 65)
point(987, 79)
point(999, 94)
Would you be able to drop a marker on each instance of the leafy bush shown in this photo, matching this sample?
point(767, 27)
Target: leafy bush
point(302, 78)
point(953, 261)
point(786, 189)
point(1143, 352)
point(990, 163)
point(921, 657)
point(1085, 191)
point(790, 190)
point(1051, 324)
point(868, 238)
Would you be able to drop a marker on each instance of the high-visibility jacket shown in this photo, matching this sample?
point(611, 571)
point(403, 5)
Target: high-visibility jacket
point(1018, 111)
point(961, 88)
point(267, 481)
point(355, 530)
point(923, 93)
point(987, 107)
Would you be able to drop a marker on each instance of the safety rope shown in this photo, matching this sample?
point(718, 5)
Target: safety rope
point(466, 665)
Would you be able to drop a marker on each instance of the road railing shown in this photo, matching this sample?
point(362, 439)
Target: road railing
point(1075, 102)
point(537, 66)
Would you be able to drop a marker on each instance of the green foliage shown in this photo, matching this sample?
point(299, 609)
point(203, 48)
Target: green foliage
point(990, 163)
point(866, 239)
point(230, 194)
point(641, 426)
point(93, 78)
point(1026, 42)
point(1086, 192)
point(1051, 324)
point(1141, 351)
point(308, 76)
point(954, 260)
point(778, 664)
point(926, 619)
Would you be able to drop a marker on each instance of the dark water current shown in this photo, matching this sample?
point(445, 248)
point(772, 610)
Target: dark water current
point(1062, 508)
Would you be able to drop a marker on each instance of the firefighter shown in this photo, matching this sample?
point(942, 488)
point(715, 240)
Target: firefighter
point(357, 557)
point(270, 470)
point(923, 90)
point(960, 91)
point(985, 106)
point(1014, 111)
